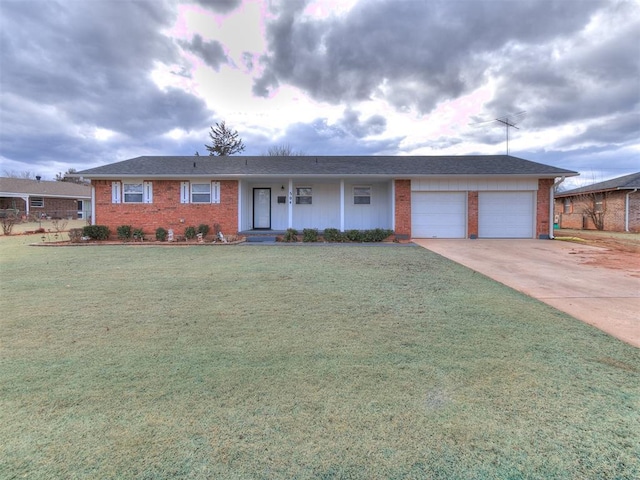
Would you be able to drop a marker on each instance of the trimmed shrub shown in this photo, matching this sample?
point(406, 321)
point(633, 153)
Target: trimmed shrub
point(333, 235)
point(291, 235)
point(309, 235)
point(353, 235)
point(138, 234)
point(376, 235)
point(203, 229)
point(161, 234)
point(124, 232)
point(190, 233)
point(96, 232)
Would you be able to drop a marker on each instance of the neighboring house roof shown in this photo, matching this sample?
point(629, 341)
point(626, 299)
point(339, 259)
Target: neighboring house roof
point(17, 187)
point(627, 182)
point(389, 166)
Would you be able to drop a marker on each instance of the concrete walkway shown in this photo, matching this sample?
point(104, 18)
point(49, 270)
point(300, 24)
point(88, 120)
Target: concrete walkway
point(562, 274)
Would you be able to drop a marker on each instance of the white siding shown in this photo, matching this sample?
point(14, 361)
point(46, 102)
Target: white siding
point(473, 184)
point(363, 217)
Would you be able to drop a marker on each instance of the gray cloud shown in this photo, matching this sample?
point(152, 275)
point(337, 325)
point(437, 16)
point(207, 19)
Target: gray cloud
point(83, 65)
point(221, 6)
point(322, 138)
point(413, 53)
point(211, 52)
point(352, 124)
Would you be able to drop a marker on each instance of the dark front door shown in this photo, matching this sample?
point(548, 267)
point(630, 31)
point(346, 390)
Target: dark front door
point(262, 208)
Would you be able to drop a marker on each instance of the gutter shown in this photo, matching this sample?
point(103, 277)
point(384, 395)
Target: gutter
point(626, 209)
point(552, 203)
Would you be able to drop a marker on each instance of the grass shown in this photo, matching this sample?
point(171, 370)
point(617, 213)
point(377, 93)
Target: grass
point(299, 362)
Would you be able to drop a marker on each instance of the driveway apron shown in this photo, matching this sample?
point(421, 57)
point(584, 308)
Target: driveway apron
point(561, 274)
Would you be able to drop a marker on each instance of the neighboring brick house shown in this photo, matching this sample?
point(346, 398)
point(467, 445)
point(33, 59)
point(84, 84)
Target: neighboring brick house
point(614, 204)
point(31, 198)
point(495, 196)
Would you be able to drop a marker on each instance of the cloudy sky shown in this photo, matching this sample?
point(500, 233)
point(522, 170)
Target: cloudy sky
point(89, 82)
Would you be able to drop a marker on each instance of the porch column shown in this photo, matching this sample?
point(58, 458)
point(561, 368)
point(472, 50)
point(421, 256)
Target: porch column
point(26, 205)
point(290, 221)
point(93, 204)
point(342, 205)
point(240, 206)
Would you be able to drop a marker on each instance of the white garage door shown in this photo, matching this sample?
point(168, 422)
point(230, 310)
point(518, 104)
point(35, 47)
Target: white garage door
point(438, 214)
point(505, 214)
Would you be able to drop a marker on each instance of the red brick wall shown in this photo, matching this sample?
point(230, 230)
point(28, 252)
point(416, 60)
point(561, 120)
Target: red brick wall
point(614, 218)
point(472, 214)
point(403, 207)
point(53, 207)
point(166, 211)
point(542, 207)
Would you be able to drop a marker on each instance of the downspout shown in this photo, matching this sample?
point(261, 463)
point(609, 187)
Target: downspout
point(552, 203)
point(626, 209)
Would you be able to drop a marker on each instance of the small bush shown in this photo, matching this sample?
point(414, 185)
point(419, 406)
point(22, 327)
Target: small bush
point(309, 235)
point(333, 235)
point(75, 235)
point(190, 233)
point(8, 221)
point(138, 234)
point(291, 235)
point(161, 234)
point(376, 235)
point(96, 232)
point(203, 229)
point(353, 235)
point(124, 232)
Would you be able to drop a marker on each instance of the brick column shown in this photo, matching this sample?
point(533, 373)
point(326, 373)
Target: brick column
point(543, 207)
point(472, 214)
point(403, 208)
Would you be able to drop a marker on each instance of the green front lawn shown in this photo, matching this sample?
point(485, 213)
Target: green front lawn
point(299, 362)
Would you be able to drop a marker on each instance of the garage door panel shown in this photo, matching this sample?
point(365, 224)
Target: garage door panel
point(438, 214)
point(505, 214)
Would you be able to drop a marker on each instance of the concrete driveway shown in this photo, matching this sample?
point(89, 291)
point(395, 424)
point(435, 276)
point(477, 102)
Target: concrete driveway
point(583, 281)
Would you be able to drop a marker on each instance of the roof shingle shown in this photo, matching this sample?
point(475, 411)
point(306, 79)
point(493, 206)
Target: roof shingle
point(391, 166)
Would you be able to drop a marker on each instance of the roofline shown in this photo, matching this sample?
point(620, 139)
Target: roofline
point(18, 194)
point(237, 176)
point(573, 193)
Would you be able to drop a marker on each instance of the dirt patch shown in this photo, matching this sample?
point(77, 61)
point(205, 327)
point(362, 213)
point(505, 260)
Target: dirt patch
point(618, 251)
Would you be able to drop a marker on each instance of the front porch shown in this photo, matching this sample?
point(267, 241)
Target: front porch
point(344, 204)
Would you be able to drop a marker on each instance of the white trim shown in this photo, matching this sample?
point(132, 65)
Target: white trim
point(626, 209)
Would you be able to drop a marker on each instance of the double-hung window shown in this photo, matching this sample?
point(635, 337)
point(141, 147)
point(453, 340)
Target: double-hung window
point(304, 196)
point(567, 205)
point(133, 192)
point(200, 192)
point(362, 195)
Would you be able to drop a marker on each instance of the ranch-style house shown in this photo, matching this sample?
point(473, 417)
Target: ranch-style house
point(497, 196)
